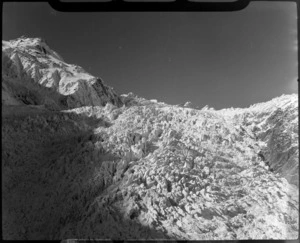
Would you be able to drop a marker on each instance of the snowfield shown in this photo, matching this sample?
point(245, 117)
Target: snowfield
point(80, 161)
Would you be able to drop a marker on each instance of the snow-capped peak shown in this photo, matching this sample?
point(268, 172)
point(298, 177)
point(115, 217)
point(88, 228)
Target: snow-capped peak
point(32, 45)
point(30, 61)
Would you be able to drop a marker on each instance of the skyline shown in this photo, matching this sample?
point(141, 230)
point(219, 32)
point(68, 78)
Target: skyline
point(218, 59)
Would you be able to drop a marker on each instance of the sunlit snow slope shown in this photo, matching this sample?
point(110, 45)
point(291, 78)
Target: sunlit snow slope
point(34, 74)
point(80, 161)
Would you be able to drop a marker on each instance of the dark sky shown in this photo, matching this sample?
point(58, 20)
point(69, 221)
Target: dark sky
point(229, 59)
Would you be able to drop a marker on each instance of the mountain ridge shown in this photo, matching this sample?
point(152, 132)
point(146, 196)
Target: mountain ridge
point(30, 61)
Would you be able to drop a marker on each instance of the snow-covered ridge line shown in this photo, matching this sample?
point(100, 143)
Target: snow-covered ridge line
point(28, 62)
point(283, 101)
point(32, 44)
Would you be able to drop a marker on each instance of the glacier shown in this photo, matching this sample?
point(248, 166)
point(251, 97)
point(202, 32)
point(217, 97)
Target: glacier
point(81, 161)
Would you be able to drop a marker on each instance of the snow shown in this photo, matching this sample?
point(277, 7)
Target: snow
point(109, 166)
point(33, 61)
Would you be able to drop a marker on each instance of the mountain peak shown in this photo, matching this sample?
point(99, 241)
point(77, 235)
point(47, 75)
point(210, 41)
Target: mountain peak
point(33, 46)
point(29, 62)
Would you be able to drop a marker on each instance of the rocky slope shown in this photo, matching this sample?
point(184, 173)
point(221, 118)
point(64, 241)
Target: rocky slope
point(144, 170)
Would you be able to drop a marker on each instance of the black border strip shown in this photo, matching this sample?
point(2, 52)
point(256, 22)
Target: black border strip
point(127, 6)
point(119, 5)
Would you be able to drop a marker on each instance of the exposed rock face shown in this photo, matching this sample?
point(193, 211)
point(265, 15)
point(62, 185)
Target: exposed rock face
point(34, 74)
point(144, 170)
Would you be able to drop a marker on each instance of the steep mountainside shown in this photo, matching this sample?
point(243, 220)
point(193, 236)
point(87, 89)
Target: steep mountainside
point(105, 166)
point(34, 74)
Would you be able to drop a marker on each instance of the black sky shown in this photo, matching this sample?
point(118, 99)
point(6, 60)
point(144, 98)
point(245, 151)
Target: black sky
point(229, 59)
